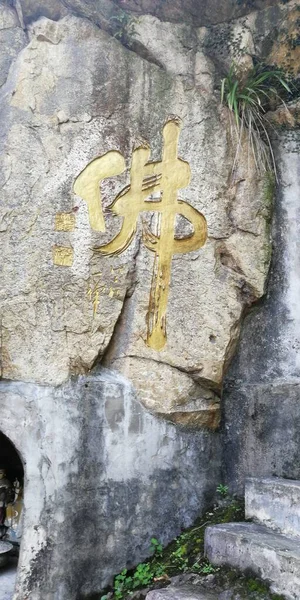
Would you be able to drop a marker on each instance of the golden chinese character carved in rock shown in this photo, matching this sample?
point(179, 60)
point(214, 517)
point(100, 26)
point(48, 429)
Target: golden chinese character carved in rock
point(65, 222)
point(167, 177)
point(63, 256)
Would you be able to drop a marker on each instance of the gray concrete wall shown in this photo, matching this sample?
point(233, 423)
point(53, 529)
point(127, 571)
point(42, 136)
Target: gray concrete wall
point(102, 476)
point(261, 409)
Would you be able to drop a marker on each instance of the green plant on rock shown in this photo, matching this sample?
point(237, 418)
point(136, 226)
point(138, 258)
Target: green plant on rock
point(122, 584)
point(222, 490)
point(142, 576)
point(125, 25)
point(248, 99)
point(156, 547)
point(208, 569)
point(178, 557)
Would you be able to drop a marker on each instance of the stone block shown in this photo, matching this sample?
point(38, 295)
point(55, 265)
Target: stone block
point(275, 503)
point(247, 546)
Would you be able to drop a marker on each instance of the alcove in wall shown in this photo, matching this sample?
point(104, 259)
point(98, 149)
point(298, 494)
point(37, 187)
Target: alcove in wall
point(11, 502)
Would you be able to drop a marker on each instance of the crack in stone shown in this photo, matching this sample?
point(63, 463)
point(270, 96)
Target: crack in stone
point(204, 383)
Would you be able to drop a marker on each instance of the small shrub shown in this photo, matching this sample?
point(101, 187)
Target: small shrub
point(248, 99)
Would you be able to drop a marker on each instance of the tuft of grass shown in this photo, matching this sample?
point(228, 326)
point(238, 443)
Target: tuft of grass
point(248, 99)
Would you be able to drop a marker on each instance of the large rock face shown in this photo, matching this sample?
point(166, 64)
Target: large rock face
point(106, 122)
point(74, 94)
point(264, 380)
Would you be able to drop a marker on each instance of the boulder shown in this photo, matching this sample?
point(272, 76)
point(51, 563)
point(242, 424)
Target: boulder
point(75, 94)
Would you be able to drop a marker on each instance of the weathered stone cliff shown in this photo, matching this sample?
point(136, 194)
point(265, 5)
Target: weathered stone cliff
point(264, 380)
point(73, 94)
point(110, 111)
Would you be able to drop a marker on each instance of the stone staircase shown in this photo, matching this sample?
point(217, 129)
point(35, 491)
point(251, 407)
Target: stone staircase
point(270, 545)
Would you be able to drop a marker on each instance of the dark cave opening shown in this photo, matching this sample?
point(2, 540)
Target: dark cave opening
point(11, 505)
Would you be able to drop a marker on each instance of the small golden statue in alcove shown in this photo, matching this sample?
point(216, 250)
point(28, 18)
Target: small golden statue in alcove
point(6, 496)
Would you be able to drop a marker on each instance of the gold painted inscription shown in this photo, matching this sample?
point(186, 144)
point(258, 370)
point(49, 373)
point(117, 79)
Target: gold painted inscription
point(64, 221)
point(62, 256)
point(87, 184)
point(94, 296)
point(167, 177)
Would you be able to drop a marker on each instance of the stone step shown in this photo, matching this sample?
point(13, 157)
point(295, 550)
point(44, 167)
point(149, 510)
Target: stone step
point(184, 592)
point(247, 546)
point(275, 503)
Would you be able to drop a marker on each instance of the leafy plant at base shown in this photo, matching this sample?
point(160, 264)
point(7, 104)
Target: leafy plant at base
point(248, 99)
point(142, 575)
point(179, 558)
point(156, 547)
point(122, 584)
point(208, 569)
point(222, 490)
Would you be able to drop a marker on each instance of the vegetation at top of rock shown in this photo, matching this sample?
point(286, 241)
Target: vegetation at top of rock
point(185, 556)
point(248, 97)
point(124, 24)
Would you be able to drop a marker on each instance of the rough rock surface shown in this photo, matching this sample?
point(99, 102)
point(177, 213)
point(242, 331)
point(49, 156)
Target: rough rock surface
point(255, 548)
point(263, 438)
point(12, 40)
point(80, 79)
point(74, 93)
point(182, 593)
point(224, 585)
point(195, 12)
point(287, 116)
point(269, 35)
point(274, 502)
